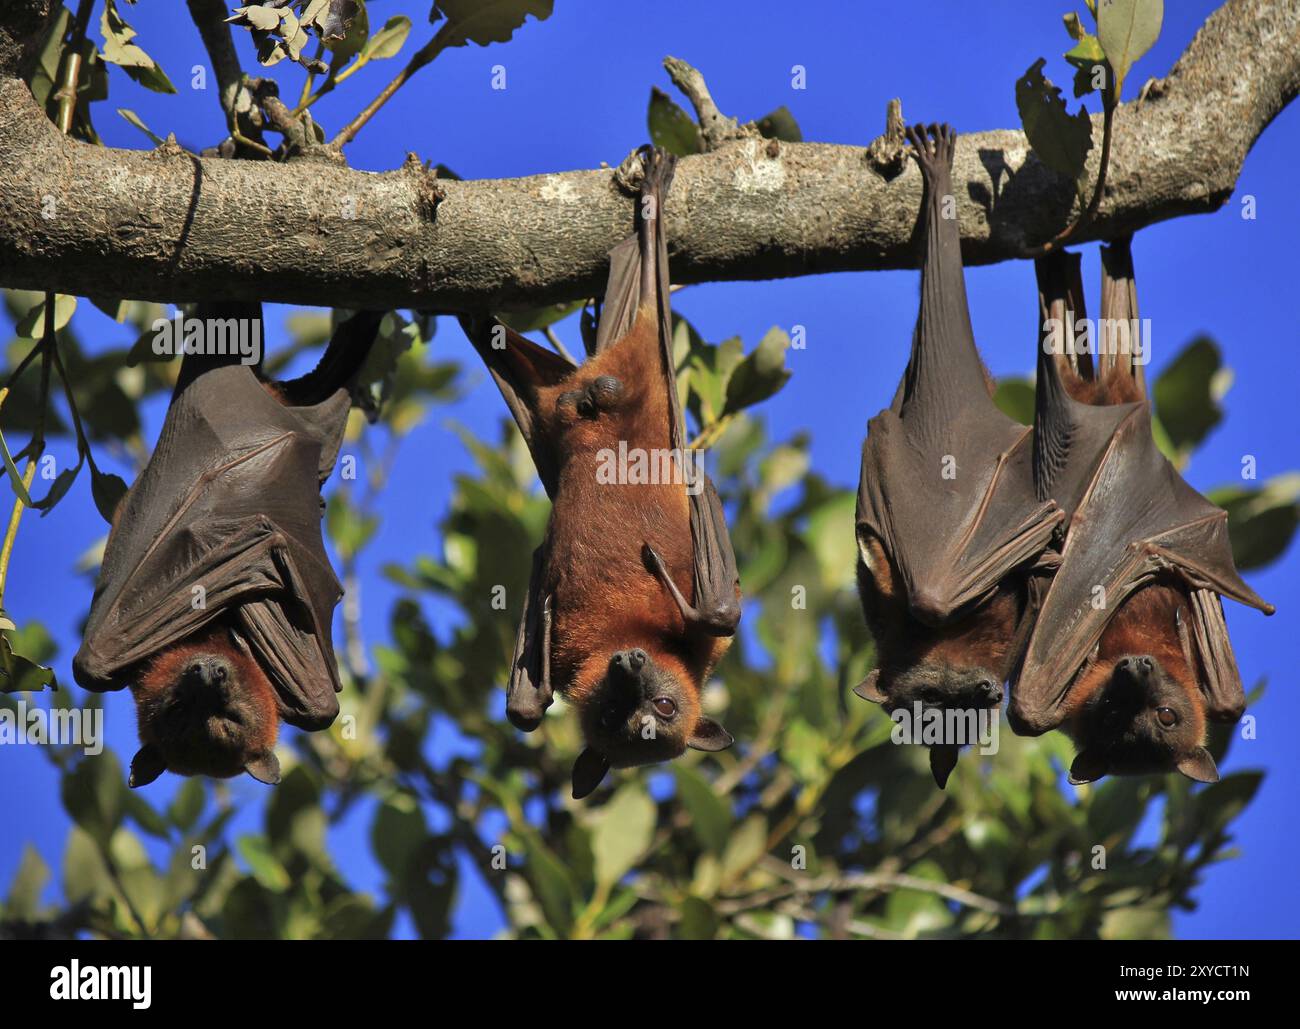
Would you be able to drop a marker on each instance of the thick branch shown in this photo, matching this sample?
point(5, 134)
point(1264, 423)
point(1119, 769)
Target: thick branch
point(163, 226)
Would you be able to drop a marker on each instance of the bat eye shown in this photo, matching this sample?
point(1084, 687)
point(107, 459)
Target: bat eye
point(665, 707)
point(219, 674)
point(195, 668)
point(1167, 717)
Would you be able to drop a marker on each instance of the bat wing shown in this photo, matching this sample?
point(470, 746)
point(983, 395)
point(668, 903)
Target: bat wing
point(1225, 700)
point(225, 521)
point(638, 277)
point(1138, 519)
point(519, 366)
point(946, 481)
point(529, 692)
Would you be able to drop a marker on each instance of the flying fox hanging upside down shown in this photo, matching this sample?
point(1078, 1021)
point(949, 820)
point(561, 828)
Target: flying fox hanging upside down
point(949, 529)
point(215, 596)
point(1130, 652)
point(634, 595)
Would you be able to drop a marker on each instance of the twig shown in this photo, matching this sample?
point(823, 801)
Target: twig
point(555, 341)
point(867, 881)
point(715, 127)
point(430, 50)
point(209, 18)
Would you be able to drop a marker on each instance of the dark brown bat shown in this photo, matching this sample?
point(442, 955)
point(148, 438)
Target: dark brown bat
point(1129, 653)
point(215, 596)
point(634, 593)
point(948, 525)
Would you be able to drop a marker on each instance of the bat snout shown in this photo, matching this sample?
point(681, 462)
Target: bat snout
point(987, 693)
point(211, 672)
point(628, 664)
point(1138, 669)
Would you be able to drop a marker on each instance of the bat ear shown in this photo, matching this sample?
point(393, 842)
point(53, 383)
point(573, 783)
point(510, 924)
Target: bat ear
point(869, 689)
point(264, 768)
point(146, 766)
point(1199, 766)
point(943, 759)
point(710, 735)
point(1089, 766)
point(590, 768)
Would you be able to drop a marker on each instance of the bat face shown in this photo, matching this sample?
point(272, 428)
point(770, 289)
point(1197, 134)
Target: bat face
point(959, 665)
point(1137, 721)
point(1137, 708)
point(641, 712)
point(205, 708)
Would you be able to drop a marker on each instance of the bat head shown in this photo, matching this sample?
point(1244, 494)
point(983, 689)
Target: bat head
point(1138, 718)
point(205, 708)
point(957, 666)
point(644, 710)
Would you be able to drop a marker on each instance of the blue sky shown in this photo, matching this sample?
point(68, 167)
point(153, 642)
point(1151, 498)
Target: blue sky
point(577, 89)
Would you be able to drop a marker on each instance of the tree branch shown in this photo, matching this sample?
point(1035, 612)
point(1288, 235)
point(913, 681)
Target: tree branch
point(161, 226)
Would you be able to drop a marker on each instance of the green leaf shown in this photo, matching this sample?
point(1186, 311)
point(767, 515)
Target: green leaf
point(1060, 140)
point(486, 21)
point(19, 674)
point(1188, 393)
point(670, 126)
point(24, 900)
point(780, 124)
point(119, 50)
point(1015, 398)
point(761, 374)
point(1127, 29)
point(387, 41)
point(266, 869)
point(1261, 522)
point(552, 884)
point(699, 920)
point(353, 41)
point(108, 491)
point(136, 120)
point(710, 814)
point(15, 476)
point(187, 805)
point(1220, 803)
point(32, 324)
point(746, 845)
point(621, 833)
point(397, 834)
point(1085, 56)
point(94, 794)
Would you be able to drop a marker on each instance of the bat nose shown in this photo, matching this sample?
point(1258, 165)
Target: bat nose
point(988, 692)
point(630, 661)
point(1137, 668)
point(209, 672)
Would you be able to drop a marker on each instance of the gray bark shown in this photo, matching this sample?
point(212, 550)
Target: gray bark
point(165, 225)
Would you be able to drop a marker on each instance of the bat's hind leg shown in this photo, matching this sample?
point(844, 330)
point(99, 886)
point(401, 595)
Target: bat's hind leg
point(718, 618)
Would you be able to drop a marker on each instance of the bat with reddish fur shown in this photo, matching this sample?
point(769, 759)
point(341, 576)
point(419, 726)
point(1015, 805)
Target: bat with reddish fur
point(215, 596)
point(634, 595)
point(1130, 652)
point(949, 528)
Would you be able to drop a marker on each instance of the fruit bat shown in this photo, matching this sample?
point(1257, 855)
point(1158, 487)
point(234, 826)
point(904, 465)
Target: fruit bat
point(215, 596)
point(948, 525)
point(1129, 651)
point(634, 595)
